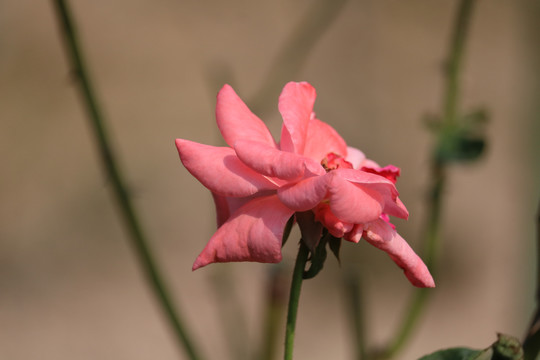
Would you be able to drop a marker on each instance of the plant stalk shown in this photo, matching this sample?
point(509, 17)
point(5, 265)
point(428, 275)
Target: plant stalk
point(431, 237)
point(108, 158)
point(294, 297)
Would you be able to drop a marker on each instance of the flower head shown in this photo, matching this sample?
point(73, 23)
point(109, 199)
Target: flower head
point(258, 184)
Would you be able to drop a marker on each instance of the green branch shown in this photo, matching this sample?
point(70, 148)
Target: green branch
point(531, 344)
point(294, 298)
point(108, 158)
point(438, 175)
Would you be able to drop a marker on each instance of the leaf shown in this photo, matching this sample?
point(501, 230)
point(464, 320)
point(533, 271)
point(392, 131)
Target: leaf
point(469, 148)
point(287, 230)
point(310, 229)
point(335, 245)
point(317, 259)
point(505, 348)
point(508, 348)
point(475, 118)
point(454, 354)
point(464, 140)
point(458, 145)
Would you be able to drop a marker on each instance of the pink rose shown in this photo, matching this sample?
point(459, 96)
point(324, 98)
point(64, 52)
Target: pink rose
point(259, 184)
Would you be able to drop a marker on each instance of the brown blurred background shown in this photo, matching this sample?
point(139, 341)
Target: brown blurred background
point(70, 287)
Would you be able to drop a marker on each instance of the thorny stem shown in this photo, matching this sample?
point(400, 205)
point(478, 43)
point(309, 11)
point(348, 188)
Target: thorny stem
point(127, 210)
point(294, 298)
point(438, 174)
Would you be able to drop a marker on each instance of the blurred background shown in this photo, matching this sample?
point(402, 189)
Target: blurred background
point(70, 286)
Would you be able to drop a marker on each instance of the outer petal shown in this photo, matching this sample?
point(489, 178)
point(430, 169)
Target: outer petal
point(335, 226)
point(220, 170)
point(226, 206)
point(382, 236)
point(273, 162)
point(322, 139)
point(236, 121)
point(253, 233)
point(391, 204)
point(389, 172)
point(306, 194)
point(396, 208)
point(354, 203)
point(295, 105)
point(365, 178)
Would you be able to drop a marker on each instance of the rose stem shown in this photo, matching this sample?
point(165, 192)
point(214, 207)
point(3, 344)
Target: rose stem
point(294, 297)
point(438, 175)
point(127, 210)
point(355, 304)
point(273, 311)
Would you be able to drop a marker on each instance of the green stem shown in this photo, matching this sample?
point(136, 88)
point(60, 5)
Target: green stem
point(438, 176)
point(276, 293)
point(294, 298)
point(455, 58)
point(431, 240)
point(355, 303)
point(127, 210)
point(531, 344)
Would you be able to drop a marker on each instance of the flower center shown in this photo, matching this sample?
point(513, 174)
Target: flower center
point(333, 161)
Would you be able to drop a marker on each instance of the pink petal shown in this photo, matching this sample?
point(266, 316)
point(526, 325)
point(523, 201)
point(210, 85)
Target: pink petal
point(376, 183)
point(335, 226)
point(322, 139)
point(306, 194)
point(365, 178)
point(295, 105)
point(222, 208)
point(236, 121)
point(253, 233)
point(355, 157)
point(220, 170)
point(396, 208)
point(382, 236)
point(354, 203)
point(389, 172)
point(272, 162)
point(225, 206)
point(355, 234)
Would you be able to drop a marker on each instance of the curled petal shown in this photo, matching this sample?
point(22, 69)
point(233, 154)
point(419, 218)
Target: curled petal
point(295, 105)
point(379, 184)
point(322, 139)
point(335, 226)
point(389, 172)
point(352, 202)
point(365, 178)
point(382, 236)
point(236, 121)
point(355, 234)
point(355, 157)
point(396, 208)
point(305, 194)
point(253, 233)
point(220, 170)
point(273, 162)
